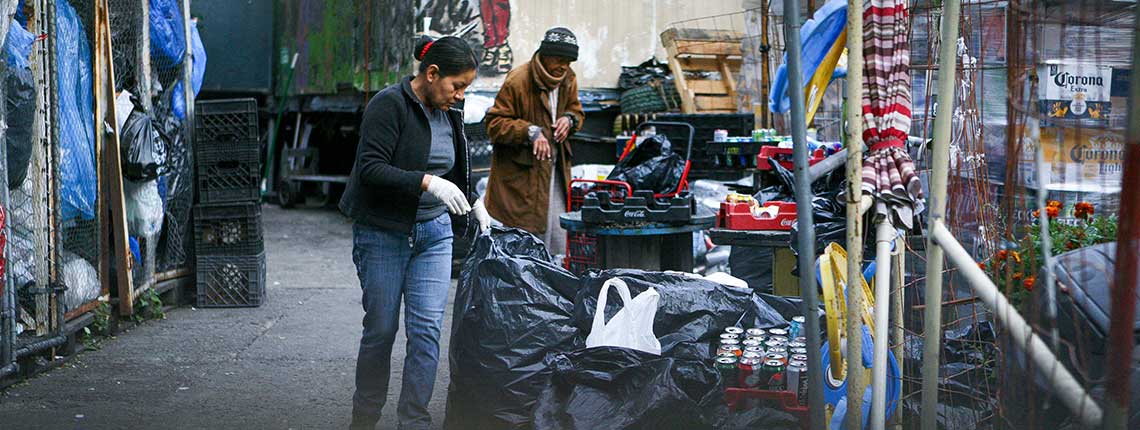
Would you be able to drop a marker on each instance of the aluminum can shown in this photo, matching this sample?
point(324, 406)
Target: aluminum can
point(799, 357)
point(797, 382)
point(734, 330)
point(720, 135)
point(755, 349)
point(728, 371)
point(775, 369)
point(756, 332)
point(727, 336)
point(729, 349)
point(751, 342)
point(749, 369)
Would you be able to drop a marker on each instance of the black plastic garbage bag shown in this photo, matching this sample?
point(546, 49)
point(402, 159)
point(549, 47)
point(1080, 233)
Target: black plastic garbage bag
point(829, 216)
point(618, 388)
point(20, 108)
point(690, 311)
point(762, 418)
point(652, 165)
point(143, 150)
point(513, 307)
point(642, 74)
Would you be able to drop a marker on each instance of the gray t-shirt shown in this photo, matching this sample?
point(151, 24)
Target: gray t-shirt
point(440, 161)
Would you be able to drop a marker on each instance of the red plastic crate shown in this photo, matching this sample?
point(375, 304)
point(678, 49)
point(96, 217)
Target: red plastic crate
point(582, 248)
point(785, 400)
point(782, 156)
point(738, 216)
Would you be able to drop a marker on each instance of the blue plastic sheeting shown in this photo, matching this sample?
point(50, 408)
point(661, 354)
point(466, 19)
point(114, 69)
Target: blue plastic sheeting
point(167, 37)
point(20, 17)
point(78, 185)
point(817, 36)
point(198, 62)
point(18, 46)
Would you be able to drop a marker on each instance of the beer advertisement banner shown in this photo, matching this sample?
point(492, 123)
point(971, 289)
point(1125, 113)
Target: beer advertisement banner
point(1081, 159)
point(1075, 91)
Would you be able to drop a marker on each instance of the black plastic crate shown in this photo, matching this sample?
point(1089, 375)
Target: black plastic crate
point(231, 281)
point(229, 176)
point(228, 229)
point(223, 122)
point(642, 207)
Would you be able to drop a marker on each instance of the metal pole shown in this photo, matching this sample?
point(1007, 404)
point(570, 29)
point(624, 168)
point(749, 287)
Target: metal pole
point(856, 381)
point(804, 215)
point(1063, 384)
point(188, 76)
point(898, 335)
point(940, 163)
point(1127, 256)
point(884, 237)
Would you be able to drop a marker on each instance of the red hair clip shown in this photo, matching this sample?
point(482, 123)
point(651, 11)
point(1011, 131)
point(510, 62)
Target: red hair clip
point(426, 48)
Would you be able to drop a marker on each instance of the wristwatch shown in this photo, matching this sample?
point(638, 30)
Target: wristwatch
point(534, 132)
point(573, 120)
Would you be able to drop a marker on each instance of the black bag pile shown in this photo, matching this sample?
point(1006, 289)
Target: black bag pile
point(512, 308)
point(652, 165)
point(520, 324)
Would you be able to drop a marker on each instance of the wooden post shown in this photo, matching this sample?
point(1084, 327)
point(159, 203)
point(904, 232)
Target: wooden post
point(104, 74)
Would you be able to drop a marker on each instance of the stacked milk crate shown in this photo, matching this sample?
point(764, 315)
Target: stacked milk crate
point(227, 220)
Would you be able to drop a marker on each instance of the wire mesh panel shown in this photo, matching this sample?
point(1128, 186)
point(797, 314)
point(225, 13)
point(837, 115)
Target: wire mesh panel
point(78, 192)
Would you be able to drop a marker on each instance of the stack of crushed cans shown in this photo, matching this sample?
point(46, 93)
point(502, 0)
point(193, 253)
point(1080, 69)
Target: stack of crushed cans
point(772, 359)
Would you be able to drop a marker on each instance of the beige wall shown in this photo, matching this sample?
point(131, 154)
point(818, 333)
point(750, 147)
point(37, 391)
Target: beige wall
point(611, 33)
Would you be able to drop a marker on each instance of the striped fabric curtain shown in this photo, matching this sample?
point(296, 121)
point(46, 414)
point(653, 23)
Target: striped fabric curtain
point(888, 171)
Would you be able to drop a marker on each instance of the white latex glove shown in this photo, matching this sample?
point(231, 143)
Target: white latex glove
point(481, 215)
point(449, 194)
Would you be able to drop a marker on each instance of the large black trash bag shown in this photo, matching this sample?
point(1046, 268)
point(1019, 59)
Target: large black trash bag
point(829, 216)
point(691, 310)
point(969, 362)
point(617, 389)
point(642, 74)
point(20, 107)
point(144, 150)
point(513, 307)
point(652, 165)
point(762, 418)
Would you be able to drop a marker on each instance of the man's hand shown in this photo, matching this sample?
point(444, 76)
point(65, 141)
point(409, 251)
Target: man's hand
point(542, 148)
point(562, 129)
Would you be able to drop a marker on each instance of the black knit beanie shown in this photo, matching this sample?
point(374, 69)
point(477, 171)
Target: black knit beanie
point(559, 42)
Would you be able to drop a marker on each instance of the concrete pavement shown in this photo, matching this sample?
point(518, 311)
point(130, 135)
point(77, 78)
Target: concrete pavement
point(286, 365)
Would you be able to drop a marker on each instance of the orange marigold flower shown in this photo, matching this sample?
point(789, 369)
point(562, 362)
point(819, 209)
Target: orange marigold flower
point(1016, 256)
point(1017, 276)
point(1028, 282)
point(982, 266)
point(1002, 255)
point(1054, 204)
point(1071, 245)
point(1053, 211)
point(1037, 213)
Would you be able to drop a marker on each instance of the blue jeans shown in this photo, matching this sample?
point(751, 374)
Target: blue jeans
point(415, 269)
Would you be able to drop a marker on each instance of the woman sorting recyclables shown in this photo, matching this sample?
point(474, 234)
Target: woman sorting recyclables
point(535, 113)
point(411, 176)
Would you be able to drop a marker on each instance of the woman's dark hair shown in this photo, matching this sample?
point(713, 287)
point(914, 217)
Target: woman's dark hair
point(451, 54)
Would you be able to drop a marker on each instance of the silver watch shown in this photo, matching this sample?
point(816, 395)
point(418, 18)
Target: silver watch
point(534, 132)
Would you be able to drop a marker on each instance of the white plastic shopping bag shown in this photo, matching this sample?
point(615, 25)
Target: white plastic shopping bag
point(632, 326)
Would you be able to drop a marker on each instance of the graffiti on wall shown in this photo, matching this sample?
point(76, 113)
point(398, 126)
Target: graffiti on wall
point(485, 24)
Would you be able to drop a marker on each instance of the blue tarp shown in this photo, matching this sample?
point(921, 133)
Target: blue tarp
point(198, 53)
point(18, 46)
point(78, 178)
point(817, 36)
point(167, 37)
point(20, 17)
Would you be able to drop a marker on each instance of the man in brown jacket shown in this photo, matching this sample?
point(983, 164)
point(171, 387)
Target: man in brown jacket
point(535, 113)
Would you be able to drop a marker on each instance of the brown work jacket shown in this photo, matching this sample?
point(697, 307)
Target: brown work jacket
point(518, 191)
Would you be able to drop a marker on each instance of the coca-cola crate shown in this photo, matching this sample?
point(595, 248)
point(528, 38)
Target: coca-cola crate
point(784, 157)
point(641, 207)
point(739, 216)
point(228, 229)
point(231, 281)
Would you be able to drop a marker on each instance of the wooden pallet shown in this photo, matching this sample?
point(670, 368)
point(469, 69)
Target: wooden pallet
point(694, 51)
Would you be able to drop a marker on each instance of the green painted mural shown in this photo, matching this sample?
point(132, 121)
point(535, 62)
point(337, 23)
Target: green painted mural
point(344, 46)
